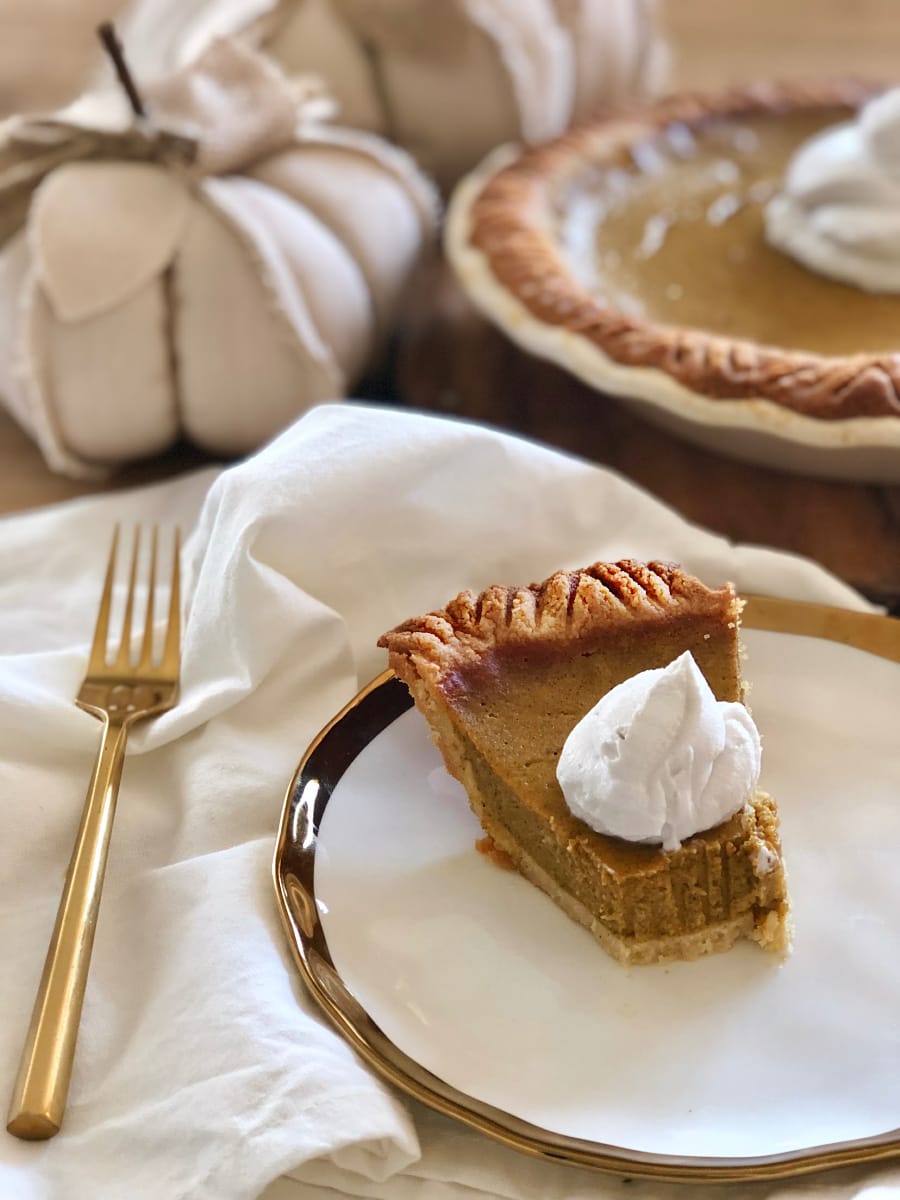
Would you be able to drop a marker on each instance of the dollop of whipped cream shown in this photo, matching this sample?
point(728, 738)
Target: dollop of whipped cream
point(659, 758)
point(839, 210)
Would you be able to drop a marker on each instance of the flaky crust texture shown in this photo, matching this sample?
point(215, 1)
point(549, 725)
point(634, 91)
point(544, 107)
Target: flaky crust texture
point(508, 225)
point(565, 609)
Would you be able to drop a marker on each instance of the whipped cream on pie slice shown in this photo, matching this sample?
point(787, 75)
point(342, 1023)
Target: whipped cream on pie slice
point(659, 758)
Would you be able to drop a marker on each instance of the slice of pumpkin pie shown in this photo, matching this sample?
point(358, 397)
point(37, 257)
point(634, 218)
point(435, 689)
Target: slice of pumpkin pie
point(596, 722)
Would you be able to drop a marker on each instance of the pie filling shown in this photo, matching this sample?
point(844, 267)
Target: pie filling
point(644, 898)
point(673, 233)
point(503, 678)
point(660, 895)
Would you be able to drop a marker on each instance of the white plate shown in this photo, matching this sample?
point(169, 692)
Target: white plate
point(480, 978)
point(467, 988)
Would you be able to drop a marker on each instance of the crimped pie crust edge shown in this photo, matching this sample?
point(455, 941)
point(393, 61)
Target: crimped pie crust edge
point(563, 609)
point(504, 227)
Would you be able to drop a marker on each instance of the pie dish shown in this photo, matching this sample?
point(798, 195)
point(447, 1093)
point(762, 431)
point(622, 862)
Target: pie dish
point(503, 677)
point(632, 251)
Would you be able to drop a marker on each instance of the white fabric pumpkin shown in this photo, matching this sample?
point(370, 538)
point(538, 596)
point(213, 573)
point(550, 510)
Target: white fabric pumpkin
point(144, 298)
point(446, 79)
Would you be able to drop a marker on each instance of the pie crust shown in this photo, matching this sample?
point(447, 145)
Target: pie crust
point(506, 226)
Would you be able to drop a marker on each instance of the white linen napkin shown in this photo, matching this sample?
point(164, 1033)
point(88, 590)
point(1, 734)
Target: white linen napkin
point(203, 1072)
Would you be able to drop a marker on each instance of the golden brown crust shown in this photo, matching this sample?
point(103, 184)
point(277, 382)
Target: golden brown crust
point(507, 228)
point(564, 609)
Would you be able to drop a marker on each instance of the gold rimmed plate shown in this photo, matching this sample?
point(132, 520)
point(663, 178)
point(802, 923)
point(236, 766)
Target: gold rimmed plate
point(465, 987)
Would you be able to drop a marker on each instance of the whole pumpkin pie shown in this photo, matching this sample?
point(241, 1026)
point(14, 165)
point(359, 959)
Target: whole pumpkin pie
point(503, 677)
point(633, 250)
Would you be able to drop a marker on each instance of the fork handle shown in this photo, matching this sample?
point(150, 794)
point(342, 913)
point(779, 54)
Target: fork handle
point(39, 1095)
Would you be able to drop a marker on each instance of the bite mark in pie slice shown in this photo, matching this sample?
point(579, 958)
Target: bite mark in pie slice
point(503, 677)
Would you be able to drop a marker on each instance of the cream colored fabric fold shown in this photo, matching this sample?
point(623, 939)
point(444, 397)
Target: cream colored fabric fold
point(204, 1072)
point(99, 232)
point(134, 412)
point(447, 79)
point(237, 105)
point(384, 234)
point(257, 349)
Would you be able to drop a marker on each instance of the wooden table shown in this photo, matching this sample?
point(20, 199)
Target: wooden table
point(452, 361)
point(449, 360)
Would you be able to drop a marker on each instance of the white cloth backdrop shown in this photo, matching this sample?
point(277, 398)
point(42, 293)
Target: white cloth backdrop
point(203, 1072)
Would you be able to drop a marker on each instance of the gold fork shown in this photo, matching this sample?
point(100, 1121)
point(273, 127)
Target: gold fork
point(119, 694)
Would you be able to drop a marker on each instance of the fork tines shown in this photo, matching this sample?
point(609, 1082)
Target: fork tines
point(168, 663)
